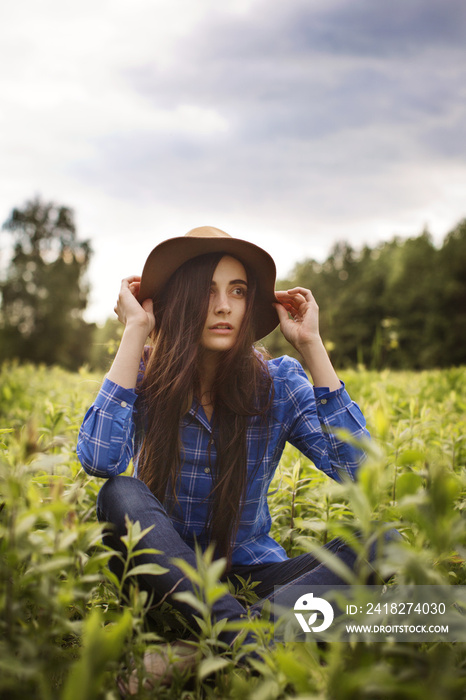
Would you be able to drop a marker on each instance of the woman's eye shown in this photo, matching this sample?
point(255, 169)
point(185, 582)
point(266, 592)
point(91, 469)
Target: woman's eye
point(239, 291)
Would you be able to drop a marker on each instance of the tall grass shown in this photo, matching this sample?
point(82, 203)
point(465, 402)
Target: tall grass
point(68, 627)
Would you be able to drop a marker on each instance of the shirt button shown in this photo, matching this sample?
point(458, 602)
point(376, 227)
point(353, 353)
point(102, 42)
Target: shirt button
point(323, 401)
point(207, 470)
point(123, 404)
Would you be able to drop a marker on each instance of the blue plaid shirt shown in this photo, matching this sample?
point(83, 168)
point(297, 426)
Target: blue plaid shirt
point(301, 415)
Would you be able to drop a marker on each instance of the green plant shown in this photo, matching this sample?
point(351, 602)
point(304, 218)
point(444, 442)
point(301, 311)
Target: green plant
point(68, 627)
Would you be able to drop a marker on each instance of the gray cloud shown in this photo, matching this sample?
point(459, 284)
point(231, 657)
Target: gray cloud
point(326, 103)
point(368, 29)
point(312, 121)
point(296, 71)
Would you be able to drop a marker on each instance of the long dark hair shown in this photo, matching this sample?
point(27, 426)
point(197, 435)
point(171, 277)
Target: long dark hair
point(241, 389)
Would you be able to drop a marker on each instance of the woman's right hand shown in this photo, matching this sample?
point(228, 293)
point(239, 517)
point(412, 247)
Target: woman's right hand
point(129, 310)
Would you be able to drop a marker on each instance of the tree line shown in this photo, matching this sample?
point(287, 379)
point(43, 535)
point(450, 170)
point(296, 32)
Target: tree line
point(400, 304)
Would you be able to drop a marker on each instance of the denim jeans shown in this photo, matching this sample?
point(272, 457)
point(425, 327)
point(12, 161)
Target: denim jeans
point(121, 496)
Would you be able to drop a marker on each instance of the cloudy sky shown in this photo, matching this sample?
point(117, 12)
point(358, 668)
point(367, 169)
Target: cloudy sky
point(291, 123)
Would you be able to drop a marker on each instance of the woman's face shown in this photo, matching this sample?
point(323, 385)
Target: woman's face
point(227, 305)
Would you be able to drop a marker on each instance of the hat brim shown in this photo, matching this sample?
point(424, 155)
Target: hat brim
point(168, 256)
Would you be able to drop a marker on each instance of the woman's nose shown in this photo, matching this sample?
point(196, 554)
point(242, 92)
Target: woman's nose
point(222, 304)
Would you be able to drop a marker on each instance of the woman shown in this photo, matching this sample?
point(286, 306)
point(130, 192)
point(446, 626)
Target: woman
point(205, 417)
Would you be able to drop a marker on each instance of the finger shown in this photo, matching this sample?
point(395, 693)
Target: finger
point(282, 312)
point(134, 288)
point(132, 278)
point(287, 302)
point(298, 299)
point(292, 297)
point(306, 293)
point(286, 299)
point(294, 305)
point(117, 313)
point(148, 306)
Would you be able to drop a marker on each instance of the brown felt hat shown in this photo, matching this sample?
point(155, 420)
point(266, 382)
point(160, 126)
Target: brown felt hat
point(168, 256)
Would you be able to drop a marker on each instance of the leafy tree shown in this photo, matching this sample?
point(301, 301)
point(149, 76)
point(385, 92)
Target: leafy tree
point(452, 258)
point(44, 293)
point(412, 296)
point(401, 304)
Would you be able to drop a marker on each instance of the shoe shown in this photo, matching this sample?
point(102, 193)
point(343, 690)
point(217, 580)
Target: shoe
point(160, 667)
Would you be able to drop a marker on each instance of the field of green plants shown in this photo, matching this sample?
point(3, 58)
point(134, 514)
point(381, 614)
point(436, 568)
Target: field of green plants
point(68, 628)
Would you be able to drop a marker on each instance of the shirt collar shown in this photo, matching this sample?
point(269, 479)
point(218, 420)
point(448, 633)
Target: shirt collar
point(197, 412)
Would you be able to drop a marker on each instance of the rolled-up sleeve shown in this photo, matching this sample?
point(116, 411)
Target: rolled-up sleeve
point(105, 440)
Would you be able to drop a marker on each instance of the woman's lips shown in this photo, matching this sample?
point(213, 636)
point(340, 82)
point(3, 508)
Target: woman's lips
point(221, 328)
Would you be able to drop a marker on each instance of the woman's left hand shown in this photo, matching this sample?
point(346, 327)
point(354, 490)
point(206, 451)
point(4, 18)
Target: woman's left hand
point(303, 327)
